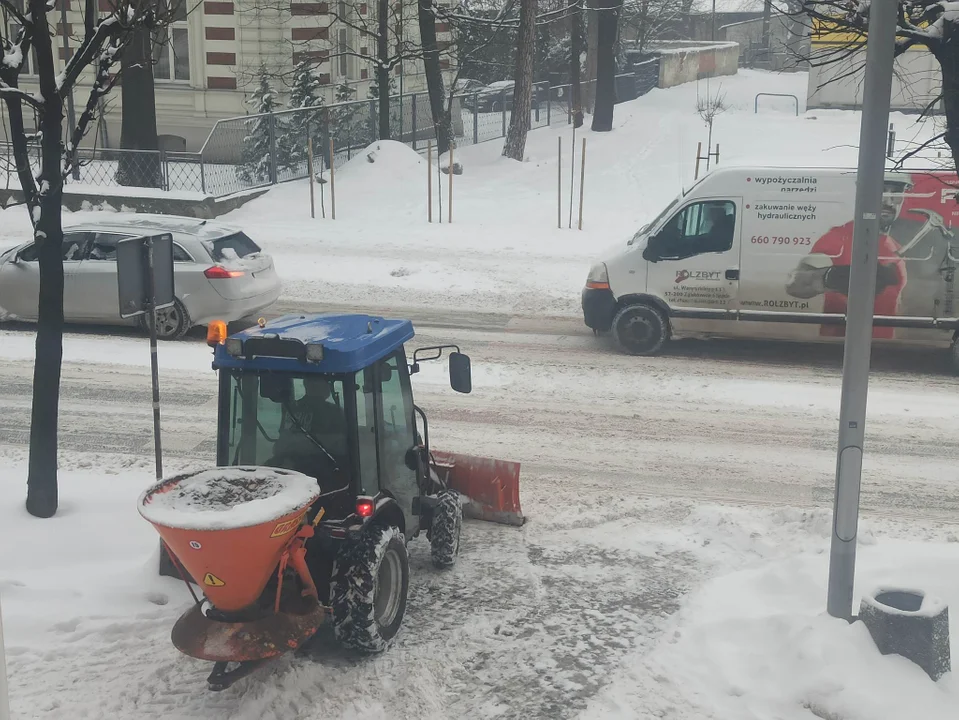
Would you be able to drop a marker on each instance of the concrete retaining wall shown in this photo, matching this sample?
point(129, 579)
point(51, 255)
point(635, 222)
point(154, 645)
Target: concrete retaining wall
point(681, 62)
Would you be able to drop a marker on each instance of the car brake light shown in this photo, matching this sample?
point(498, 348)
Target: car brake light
point(364, 507)
point(221, 273)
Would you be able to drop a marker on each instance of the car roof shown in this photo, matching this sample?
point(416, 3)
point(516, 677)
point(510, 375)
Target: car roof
point(350, 342)
point(143, 224)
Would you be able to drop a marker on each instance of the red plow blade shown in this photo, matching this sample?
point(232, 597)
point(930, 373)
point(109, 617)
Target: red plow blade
point(490, 486)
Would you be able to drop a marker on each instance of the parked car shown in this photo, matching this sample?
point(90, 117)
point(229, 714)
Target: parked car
point(467, 86)
point(220, 274)
point(494, 96)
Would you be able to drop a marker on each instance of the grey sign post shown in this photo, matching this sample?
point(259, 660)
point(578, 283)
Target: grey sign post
point(862, 296)
point(145, 282)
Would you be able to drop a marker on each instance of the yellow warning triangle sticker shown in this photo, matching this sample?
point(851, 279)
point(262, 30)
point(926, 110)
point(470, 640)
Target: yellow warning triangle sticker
point(212, 580)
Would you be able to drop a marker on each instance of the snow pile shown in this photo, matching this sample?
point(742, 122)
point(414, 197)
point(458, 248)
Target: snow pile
point(755, 643)
point(227, 498)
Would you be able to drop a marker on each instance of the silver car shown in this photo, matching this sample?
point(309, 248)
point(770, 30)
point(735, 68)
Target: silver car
point(219, 274)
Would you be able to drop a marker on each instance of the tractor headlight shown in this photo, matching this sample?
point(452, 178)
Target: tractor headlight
point(314, 353)
point(234, 347)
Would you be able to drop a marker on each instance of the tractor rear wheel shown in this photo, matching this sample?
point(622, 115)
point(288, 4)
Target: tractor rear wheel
point(445, 529)
point(371, 579)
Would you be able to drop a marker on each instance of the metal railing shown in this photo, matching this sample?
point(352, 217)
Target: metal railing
point(255, 151)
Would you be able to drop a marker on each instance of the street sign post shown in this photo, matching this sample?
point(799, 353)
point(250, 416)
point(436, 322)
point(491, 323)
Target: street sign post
point(4, 691)
point(145, 282)
point(880, 49)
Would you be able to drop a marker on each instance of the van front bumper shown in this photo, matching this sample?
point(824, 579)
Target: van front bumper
point(599, 308)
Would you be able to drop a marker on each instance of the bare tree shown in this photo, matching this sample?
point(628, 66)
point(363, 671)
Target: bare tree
point(929, 24)
point(575, 62)
point(643, 20)
point(26, 32)
point(519, 122)
point(607, 34)
point(440, 112)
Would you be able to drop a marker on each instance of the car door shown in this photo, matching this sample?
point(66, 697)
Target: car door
point(20, 279)
point(694, 263)
point(96, 279)
point(396, 435)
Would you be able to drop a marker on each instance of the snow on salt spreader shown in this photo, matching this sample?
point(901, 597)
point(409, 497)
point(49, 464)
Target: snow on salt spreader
point(324, 473)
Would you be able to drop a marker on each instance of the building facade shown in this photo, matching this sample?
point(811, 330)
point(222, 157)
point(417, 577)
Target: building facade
point(207, 62)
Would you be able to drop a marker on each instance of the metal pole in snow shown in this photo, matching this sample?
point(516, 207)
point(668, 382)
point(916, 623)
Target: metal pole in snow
point(154, 366)
point(859, 312)
point(4, 691)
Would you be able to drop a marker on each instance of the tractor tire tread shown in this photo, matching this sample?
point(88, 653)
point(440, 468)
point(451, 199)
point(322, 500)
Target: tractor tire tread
point(446, 529)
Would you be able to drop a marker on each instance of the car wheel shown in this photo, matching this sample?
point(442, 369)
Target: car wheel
point(640, 329)
point(173, 322)
point(371, 579)
point(445, 529)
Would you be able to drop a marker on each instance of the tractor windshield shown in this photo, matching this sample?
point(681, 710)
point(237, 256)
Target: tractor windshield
point(283, 420)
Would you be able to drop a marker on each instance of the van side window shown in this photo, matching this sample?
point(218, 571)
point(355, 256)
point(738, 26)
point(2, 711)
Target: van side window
point(705, 227)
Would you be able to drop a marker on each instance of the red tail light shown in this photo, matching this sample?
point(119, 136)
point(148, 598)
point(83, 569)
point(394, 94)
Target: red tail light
point(221, 273)
point(364, 507)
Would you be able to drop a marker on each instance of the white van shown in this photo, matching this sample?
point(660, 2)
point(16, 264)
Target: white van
point(765, 253)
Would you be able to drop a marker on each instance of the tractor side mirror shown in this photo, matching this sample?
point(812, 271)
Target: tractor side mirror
point(276, 388)
point(461, 375)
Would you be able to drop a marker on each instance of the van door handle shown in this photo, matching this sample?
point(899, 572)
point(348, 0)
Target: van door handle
point(732, 274)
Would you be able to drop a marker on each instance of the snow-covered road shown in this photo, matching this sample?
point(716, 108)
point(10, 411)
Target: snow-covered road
point(619, 457)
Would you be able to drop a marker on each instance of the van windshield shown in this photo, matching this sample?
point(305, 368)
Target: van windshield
point(655, 223)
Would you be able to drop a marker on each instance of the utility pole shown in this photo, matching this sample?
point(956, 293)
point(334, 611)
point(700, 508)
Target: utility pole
point(880, 49)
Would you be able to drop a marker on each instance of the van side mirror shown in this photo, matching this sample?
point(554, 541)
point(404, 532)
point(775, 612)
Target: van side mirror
point(461, 375)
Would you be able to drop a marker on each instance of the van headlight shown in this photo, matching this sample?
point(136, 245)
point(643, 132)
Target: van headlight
point(598, 278)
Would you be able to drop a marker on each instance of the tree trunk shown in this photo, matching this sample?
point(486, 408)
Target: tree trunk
point(948, 57)
point(42, 495)
point(575, 51)
point(592, 39)
point(606, 65)
point(442, 120)
point(383, 67)
point(139, 124)
point(515, 146)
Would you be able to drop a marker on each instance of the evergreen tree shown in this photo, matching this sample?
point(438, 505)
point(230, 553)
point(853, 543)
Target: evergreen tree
point(257, 146)
point(349, 124)
point(374, 93)
point(305, 93)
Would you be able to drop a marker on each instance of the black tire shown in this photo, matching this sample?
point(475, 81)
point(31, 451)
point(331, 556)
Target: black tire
point(954, 356)
point(640, 329)
point(364, 618)
point(172, 322)
point(446, 529)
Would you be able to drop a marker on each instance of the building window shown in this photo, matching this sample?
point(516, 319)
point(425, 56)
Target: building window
point(30, 65)
point(171, 50)
point(341, 60)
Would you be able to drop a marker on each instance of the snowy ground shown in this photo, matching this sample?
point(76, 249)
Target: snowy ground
point(673, 565)
point(675, 559)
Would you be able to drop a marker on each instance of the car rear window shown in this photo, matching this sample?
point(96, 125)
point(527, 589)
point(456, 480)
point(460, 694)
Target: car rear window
point(231, 247)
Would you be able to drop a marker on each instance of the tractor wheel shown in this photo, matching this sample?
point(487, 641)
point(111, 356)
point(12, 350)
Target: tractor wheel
point(371, 579)
point(445, 529)
point(640, 329)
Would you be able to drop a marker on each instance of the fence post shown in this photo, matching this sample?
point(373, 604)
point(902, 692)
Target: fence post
point(273, 172)
point(413, 121)
point(503, 95)
point(165, 170)
point(475, 119)
point(374, 124)
point(536, 100)
point(202, 176)
point(549, 106)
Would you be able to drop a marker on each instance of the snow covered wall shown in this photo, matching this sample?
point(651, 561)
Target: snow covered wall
point(682, 63)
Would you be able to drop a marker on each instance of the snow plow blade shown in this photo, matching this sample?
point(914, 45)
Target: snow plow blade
point(491, 487)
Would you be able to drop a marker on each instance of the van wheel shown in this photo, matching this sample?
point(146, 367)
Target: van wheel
point(640, 329)
point(954, 355)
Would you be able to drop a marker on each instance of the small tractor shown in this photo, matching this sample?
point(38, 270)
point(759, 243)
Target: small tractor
point(322, 404)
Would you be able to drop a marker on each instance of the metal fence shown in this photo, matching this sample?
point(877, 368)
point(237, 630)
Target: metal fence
point(254, 151)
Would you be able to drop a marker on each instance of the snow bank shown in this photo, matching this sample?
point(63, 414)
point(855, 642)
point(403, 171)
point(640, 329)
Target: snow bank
point(226, 498)
point(755, 643)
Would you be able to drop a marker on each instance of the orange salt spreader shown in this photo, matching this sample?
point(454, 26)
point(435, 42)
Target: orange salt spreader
point(330, 398)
